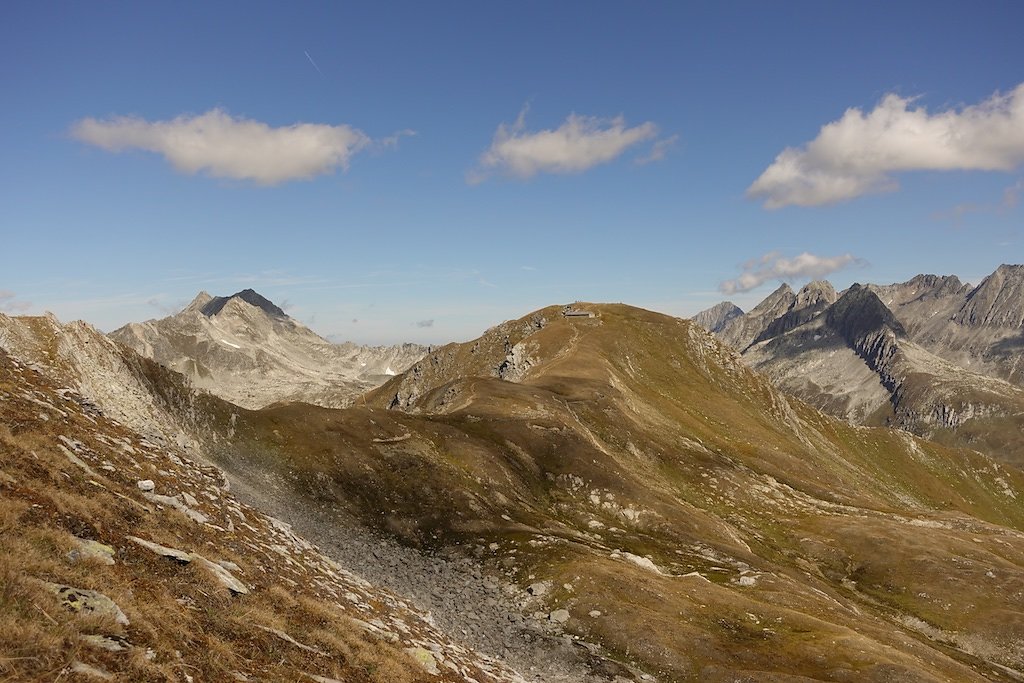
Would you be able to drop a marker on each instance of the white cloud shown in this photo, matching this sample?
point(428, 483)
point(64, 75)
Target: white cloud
point(579, 144)
point(10, 304)
point(659, 150)
point(856, 154)
point(228, 147)
point(773, 266)
point(392, 140)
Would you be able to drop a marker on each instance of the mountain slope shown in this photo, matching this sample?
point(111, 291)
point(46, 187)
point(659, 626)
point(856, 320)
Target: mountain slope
point(882, 355)
point(247, 350)
point(121, 557)
point(133, 390)
point(692, 522)
point(979, 328)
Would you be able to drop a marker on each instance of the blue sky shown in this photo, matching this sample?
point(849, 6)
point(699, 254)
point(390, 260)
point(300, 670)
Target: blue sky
point(421, 171)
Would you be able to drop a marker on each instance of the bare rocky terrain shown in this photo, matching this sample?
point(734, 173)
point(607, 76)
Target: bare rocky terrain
point(931, 355)
point(247, 350)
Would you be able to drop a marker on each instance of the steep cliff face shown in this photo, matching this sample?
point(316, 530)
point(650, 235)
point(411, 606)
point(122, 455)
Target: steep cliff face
point(247, 350)
point(870, 329)
point(979, 328)
point(135, 391)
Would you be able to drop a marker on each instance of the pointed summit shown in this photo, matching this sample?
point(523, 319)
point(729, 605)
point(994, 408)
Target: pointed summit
point(810, 301)
point(742, 331)
point(715, 318)
point(815, 293)
point(778, 301)
point(859, 312)
point(202, 298)
point(997, 302)
point(249, 296)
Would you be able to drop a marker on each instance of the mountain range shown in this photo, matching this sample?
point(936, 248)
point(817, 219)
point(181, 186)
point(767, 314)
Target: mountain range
point(590, 493)
point(931, 355)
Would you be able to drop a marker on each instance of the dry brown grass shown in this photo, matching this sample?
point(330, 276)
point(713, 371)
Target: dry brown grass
point(182, 620)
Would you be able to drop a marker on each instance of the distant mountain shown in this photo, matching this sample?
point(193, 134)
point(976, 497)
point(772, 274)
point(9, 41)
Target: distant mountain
point(741, 331)
point(930, 355)
point(246, 349)
point(714, 319)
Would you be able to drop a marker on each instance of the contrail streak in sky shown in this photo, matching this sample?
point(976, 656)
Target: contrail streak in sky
point(313, 63)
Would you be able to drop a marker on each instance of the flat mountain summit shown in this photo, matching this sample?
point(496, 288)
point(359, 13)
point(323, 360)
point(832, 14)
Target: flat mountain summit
point(247, 350)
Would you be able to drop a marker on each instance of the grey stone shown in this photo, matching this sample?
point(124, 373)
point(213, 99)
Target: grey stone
point(84, 600)
point(223, 575)
point(108, 643)
point(559, 616)
point(91, 550)
point(162, 550)
point(83, 669)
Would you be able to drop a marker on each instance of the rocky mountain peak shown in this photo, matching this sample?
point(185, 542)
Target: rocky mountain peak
point(216, 304)
point(742, 331)
point(935, 283)
point(807, 304)
point(779, 300)
point(924, 287)
point(859, 312)
point(247, 350)
point(202, 298)
point(816, 292)
point(997, 302)
point(715, 318)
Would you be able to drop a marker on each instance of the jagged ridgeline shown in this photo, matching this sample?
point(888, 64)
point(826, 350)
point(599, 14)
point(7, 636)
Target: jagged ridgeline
point(932, 355)
point(596, 491)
